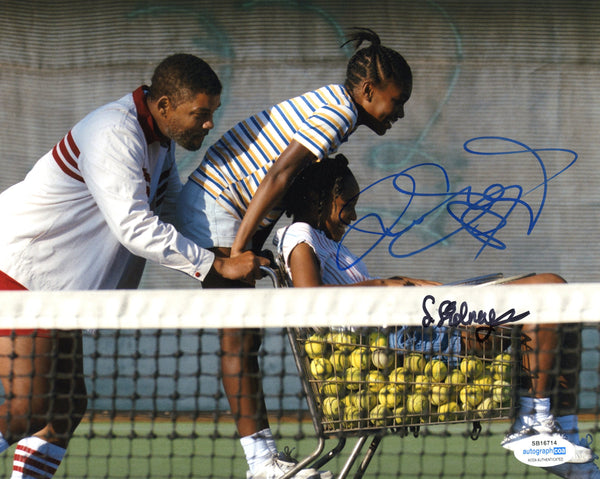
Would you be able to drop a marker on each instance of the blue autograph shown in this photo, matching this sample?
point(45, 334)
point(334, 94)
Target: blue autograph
point(480, 214)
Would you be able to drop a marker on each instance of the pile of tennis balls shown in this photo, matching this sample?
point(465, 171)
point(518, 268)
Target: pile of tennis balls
point(361, 382)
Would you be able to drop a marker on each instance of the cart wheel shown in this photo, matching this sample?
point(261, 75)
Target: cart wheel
point(476, 430)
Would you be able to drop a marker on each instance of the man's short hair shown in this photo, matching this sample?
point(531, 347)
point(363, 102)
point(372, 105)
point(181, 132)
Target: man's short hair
point(181, 76)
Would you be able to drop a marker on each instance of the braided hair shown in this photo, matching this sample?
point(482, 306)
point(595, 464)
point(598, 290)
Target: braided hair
point(316, 186)
point(376, 62)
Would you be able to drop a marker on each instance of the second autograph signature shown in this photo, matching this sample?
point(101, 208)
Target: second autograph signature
point(450, 314)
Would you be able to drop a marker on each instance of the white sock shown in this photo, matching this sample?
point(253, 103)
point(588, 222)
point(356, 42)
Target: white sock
point(36, 458)
point(257, 448)
point(526, 411)
point(569, 424)
point(542, 409)
point(4, 445)
point(270, 441)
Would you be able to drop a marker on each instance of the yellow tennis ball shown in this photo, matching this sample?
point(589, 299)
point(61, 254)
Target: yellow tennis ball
point(351, 417)
point(389, 396)
point(414, 363)
point(399, 381)
point(348, 400)
point(447, 412)
point(501, 392)
point(375, 380)
point(332, 408)
point(456, 379)
point(485, 383)
point(321, 368)
point(315, 346)
point(436, 369)
point(472, 367)
point(365, 400)
point(416, 404)
point(486, 408)
point(440, 394)
point(471, 395)
point(422, 384)
point(399, 415)
point(333, 387)
point(360, 358)
point(382, 358)
point(501, 367)
point(353, 377)
point(398, 377)
point(340, 360)
point(380, 415)
point(377, 340)
point(345, 341)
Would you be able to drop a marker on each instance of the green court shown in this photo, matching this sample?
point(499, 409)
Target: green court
point(186, 449)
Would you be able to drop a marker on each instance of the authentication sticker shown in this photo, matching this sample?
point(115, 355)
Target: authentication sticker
point(543, 450)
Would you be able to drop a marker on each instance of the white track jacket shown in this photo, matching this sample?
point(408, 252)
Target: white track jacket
point(92, 202)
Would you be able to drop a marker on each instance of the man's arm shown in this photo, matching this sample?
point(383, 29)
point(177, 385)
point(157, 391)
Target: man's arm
point(114, 176)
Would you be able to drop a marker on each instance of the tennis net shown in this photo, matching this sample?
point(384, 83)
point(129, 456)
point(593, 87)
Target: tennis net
point(156, 406)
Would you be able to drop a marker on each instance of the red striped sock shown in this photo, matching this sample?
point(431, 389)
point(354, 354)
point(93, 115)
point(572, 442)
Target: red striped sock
point(36, 459)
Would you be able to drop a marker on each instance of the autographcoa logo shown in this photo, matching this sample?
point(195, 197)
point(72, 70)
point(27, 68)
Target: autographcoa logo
point(543, 450)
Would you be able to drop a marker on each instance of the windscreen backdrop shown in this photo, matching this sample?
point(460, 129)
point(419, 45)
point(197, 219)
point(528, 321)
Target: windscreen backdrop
point(493, 169)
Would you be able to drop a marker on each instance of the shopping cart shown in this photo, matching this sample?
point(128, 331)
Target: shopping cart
point(369, 382)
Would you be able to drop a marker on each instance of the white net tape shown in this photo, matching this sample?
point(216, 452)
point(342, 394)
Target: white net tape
point(374, 306)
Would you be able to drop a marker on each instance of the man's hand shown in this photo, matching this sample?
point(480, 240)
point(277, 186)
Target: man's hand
point(243, 267)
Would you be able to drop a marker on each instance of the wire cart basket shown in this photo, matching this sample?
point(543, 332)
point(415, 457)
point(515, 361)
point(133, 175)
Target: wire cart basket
point(369, 382)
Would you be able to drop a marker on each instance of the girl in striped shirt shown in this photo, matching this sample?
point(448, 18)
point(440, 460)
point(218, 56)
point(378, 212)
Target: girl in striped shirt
point(247, 171)
point(232, 199)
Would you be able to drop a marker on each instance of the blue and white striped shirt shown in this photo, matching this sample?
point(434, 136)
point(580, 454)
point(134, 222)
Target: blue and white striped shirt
point(232, 169)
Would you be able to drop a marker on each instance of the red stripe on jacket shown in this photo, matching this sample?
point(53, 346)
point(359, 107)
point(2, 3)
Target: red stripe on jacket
point(61, 154)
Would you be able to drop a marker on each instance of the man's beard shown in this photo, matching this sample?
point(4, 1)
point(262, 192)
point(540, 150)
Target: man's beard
point(191, 140)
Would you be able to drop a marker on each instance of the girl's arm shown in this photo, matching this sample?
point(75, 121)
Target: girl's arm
point(405, 281)
point(304, 267)
point(271, 191)
point(305, 270)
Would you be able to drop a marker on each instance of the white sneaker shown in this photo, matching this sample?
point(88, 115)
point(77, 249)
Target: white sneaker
point(520, 431)
point(581, 452)
point(281, 464)
point(589, 470)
